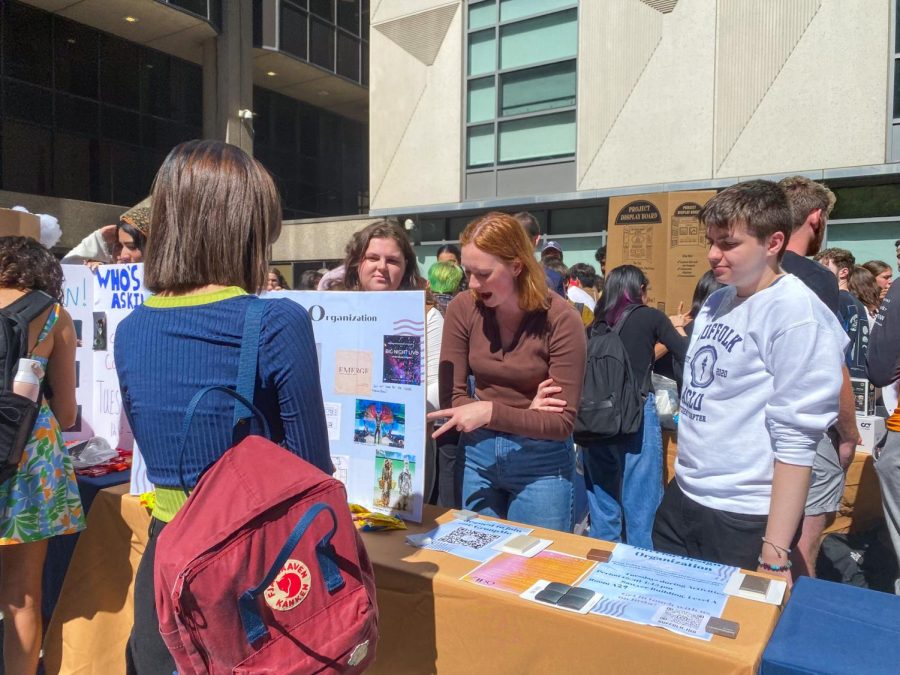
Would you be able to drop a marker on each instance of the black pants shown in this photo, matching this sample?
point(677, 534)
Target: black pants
point(146, 652)
point(684, 527)
point(449, 477)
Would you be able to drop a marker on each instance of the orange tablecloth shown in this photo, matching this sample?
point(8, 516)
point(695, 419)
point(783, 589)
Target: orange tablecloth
point(860, 504)
point(430, 620)
point(92, 620)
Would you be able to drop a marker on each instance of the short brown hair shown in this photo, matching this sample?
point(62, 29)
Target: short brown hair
point(359, 243)
point(27, 265)
point(530, 223)
point(215, 214)
point(805, 195)
point(760, 206)
point(841, 257)
point(502, 236)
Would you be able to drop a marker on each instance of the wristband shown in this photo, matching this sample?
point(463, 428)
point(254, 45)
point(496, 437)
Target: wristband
point(778, 548)
point(773, 568)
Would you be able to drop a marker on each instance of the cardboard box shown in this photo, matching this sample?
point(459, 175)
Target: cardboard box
point(871, 429)
point(864, 395)
point(19, 224)
point(661, 234)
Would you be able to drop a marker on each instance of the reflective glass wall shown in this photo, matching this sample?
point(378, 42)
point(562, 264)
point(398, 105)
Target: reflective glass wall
point(320, 160)
point(87, 115)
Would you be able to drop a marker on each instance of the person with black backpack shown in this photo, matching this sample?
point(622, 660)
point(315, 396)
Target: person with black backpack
point(617, 424)
point(38, 493)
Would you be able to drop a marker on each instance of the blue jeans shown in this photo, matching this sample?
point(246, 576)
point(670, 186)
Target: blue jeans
point(518, 478)
point(624, 474)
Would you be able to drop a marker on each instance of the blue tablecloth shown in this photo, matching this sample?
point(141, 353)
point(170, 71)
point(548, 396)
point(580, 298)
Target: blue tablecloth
point(835, 628)
point(60, 549)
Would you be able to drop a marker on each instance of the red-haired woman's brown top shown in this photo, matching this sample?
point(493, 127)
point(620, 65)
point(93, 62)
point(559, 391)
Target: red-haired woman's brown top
point(548, 344)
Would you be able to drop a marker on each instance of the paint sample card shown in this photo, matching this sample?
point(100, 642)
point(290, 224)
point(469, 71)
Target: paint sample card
point(352, 372)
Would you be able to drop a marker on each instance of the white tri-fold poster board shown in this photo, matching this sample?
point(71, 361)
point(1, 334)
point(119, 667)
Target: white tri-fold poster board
point(371, 350)
point(98, 301)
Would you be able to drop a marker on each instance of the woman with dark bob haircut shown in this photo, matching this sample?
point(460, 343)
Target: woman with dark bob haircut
point(214, 217)
point(41, 500)
point(623, 474)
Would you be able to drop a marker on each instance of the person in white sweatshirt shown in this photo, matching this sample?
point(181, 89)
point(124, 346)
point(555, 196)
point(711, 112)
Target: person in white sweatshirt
point(761, 384)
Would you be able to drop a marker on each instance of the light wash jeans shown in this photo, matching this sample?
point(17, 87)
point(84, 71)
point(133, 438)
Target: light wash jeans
point(623, 476)
point(518, 478)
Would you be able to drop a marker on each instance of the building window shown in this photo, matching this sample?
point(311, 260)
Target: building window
point(94, 115)
point(521, 82)
point(331, 34)
point(894, 146)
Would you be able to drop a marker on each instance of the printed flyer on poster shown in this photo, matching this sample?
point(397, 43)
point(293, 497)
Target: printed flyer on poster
point(98, 301)
point(371, 350)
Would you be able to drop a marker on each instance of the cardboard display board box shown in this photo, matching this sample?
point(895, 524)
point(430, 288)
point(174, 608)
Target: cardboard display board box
point(19, 224)
point(661, 234)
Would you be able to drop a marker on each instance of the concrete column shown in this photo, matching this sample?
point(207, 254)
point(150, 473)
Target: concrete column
point(228, 77)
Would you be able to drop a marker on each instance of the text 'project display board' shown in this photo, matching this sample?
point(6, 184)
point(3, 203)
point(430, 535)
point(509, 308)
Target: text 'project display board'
point(371, 349)
point(98, 301)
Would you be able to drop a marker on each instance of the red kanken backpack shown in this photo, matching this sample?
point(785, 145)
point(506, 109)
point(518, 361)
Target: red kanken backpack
point(262, 570)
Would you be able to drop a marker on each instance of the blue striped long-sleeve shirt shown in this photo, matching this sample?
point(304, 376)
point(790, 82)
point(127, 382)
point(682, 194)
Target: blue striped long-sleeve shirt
point(170, 348)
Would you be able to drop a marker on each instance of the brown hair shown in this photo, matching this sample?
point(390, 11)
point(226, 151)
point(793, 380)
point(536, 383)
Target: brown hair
point(805, 195)
point(503, 237)
point(861, 283)
point(27, 265)
point(359, 244)
point(530, 223)
point(841, 257)
point(214, 217)
point(876, 267)
point(759, 205)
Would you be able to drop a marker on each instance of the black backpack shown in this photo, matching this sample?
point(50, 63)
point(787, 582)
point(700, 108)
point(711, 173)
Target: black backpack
point(611, 400)
point(17, 413)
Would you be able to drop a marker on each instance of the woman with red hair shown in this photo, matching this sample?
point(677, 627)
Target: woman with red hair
point(522, 345)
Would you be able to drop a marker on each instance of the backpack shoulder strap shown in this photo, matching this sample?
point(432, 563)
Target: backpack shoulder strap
point(627, 313)
point(31, 305)
point(246, 379)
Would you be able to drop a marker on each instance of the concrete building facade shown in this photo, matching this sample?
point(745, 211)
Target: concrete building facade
point(555, 106)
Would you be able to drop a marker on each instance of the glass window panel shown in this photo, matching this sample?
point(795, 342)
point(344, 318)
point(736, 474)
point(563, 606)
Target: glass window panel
point(482, 14)
point(482, 52)
point(77, 115)
point(579, 220)
point(480, 146)
point(432, 229)
point(348, 15)
point(72, 164)
point(192, 81)
point(482, 103)
point(155, 78)
point(120, 125)
point(27, 52)
point(364, 80)
point(321, 47)
point(348, 56)
point(127, 185)
point(28, 103)
point(542, 88)
point(897, 30)
point(293, 31)
point(324, 8)
point(120, 69)
point(456, 225)
point(896, 88)
point(544, 38)
point(535, 138)
point(197, 7)
point(75, 59)
point(516, 9)
point(26, 140)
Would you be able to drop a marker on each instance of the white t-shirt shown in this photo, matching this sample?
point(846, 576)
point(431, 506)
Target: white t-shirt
point(762, 379)
point(576, 294)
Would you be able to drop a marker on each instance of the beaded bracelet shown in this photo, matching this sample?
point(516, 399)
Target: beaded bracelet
point(773, 568)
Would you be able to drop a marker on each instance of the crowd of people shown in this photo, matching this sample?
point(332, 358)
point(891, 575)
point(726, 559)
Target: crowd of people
point(763, 360)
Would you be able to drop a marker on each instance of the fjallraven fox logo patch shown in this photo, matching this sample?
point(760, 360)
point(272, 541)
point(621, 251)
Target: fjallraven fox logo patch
point(290, 587)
